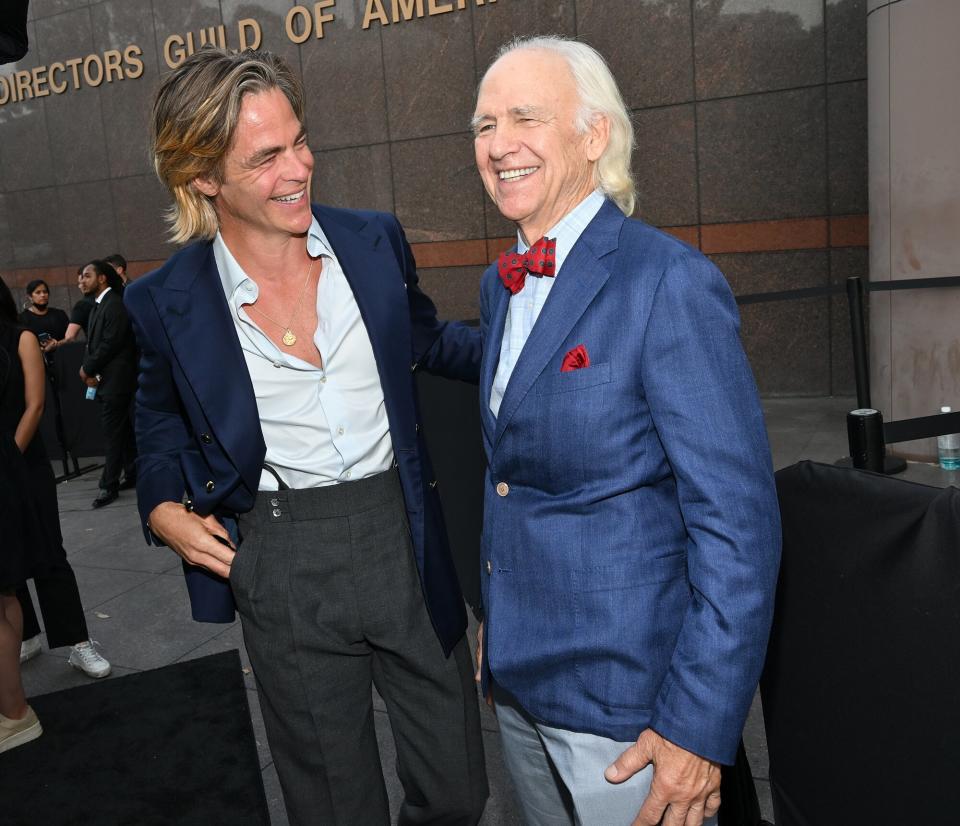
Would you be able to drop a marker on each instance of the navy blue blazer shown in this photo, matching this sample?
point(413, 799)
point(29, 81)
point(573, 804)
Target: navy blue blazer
point(198, 430)
point(630, 554)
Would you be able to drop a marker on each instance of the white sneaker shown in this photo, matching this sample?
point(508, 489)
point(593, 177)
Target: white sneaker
point(85, 657)
point(15, 733)
point(29, 648)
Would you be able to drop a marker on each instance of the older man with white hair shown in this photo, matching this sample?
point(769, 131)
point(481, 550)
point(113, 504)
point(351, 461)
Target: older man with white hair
point(631, 532)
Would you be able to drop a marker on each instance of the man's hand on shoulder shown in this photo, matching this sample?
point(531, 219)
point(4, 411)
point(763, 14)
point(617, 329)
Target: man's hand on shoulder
point(196, 538)
point(685, 788)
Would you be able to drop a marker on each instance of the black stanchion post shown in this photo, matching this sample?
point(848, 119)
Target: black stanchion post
point(858, 333)
point(865, 425)
point(865, 436)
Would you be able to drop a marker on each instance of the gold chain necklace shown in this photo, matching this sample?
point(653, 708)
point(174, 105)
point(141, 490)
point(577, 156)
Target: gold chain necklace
point(289, 339)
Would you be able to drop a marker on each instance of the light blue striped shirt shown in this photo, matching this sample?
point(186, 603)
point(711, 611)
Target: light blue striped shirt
point(525, 306)
point(323, 424)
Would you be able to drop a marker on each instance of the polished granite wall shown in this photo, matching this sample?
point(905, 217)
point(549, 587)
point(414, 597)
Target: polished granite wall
point(750, 115)
point(915, 209)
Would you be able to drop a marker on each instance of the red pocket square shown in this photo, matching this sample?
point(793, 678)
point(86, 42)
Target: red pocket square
point(576, 359)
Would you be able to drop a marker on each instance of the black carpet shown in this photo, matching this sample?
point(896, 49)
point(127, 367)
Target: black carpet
point(170, 746)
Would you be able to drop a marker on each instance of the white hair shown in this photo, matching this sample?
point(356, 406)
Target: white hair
point(599, 97)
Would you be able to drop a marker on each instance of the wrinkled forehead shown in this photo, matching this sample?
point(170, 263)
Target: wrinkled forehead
point(527, 77)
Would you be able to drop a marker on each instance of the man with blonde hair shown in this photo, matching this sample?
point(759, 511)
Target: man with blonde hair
point(631, 533)
point(282, 458)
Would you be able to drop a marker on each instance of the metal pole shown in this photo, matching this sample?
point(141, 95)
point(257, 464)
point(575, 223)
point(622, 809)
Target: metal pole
point(859, 336)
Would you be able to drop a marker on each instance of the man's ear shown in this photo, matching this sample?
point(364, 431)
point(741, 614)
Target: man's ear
point(206, 186)
point(598, 136)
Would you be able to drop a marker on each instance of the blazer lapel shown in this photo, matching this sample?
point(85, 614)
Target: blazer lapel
point(93, 323)
point(491, 358)
point(194, 311)
point(581, 277)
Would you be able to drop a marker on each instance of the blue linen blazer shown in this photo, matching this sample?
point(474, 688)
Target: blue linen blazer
point(630, 560)
point(198, 430)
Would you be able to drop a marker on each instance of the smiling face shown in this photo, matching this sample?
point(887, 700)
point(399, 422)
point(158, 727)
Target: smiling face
point(534, 163)
point(265, 186)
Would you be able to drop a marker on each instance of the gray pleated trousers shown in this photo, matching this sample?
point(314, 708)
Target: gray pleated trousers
point(330, 603)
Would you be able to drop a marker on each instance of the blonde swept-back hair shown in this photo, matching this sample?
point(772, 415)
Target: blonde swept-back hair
point(195, 114)
point(599, 97)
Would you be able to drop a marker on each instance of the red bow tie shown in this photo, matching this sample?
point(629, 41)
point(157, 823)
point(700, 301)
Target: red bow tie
point(539, 260)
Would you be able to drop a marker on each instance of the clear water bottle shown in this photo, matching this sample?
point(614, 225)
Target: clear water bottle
point(948, 448)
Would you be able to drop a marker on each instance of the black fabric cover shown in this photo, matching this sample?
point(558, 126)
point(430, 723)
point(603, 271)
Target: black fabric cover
point(860, 688)
point(168, 747)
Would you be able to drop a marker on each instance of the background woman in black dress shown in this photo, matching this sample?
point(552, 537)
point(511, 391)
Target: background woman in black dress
point(49, 324)
point(55, 581)
point(22, 385)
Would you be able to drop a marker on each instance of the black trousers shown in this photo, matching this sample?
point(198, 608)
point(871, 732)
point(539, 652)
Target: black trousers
point(120, 444)
point(56, 584)
point(59, 604)
point(331, 605)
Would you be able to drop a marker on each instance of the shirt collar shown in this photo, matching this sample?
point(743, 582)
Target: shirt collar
point(233, 276)
point(99, 298)
point(567, 230)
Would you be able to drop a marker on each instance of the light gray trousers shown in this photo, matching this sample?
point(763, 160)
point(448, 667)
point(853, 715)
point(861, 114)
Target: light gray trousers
point(558, 774)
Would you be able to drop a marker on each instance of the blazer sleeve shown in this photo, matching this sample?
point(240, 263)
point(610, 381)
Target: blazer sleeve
point(707, 414)
point(162, 433)
point(446, 348)
point(113, 332)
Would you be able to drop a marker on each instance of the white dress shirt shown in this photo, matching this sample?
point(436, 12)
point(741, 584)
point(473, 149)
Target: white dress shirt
point(525, 306)
point(321, 425)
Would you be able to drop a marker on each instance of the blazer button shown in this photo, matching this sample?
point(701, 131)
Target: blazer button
point(413, 367)
point(433, 484)
point(210, 486)
point(489, 568)
point(503, 489)
point(416, 427)
point(205, 438)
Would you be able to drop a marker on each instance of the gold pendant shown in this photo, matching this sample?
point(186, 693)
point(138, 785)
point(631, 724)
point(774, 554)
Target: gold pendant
point(289, 338)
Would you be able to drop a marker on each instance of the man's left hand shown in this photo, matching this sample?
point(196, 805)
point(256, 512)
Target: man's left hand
point(685, 788)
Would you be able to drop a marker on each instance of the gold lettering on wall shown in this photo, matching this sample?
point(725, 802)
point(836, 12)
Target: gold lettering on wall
point(131, 57)
point(406, 7)
point(55, 87)
point(300, 24)
point(21, 82)
point(113, 65)
point(320, 18)
point(404, 10)
point(375, 11)
point(248, 24)
point(112, 60)
point(39, 77)
point(302, 14)
point(72, 66)
point(93, 79)
point(173, 54)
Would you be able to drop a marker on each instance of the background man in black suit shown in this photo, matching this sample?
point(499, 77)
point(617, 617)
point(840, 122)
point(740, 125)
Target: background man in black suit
point(110, 366)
